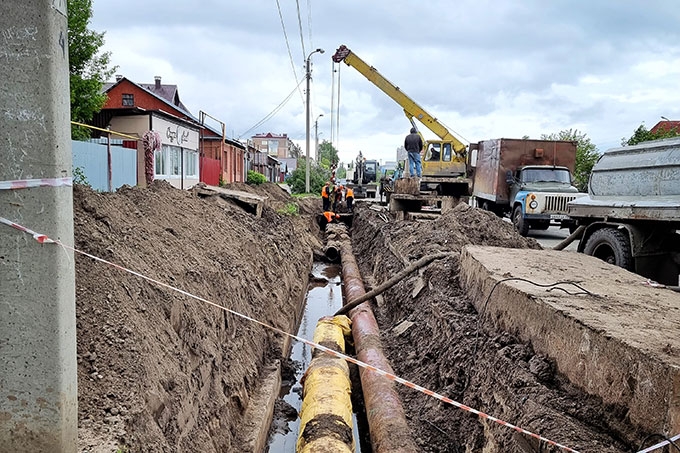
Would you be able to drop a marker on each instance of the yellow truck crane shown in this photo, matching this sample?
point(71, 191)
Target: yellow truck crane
point(445, 162)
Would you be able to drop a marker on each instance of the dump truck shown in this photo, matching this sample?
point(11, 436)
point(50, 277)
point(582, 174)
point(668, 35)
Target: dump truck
point(631, 214)
point(530, 180)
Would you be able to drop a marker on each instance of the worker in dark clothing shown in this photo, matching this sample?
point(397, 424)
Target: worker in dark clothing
point(326, 196)
point(414, 146)
point(338, 198)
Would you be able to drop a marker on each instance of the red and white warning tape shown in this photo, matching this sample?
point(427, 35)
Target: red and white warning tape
point(41, 238)
point(28, 183)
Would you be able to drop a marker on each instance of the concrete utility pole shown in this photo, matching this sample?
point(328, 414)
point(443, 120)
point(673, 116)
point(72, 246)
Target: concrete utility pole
point(316, 138)
point(38, 374)
point(309, 76)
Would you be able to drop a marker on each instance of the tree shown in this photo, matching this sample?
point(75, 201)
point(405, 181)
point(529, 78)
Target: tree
point(641, 134)
point(328, 155)
point(317, 178)
point(88, 69)
point(342, 171)
point(294, 150)
point(586, 154)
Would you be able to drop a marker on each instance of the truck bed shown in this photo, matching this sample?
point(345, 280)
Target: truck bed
point(661, 208)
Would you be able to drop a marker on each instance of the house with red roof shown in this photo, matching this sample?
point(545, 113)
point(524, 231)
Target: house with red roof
point(191, 151)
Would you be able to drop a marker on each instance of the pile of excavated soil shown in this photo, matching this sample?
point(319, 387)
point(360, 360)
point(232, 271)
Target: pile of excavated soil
point(159, 371)
point(450, 350)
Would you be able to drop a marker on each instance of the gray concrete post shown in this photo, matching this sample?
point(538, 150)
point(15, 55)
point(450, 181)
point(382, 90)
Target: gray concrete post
point(38, 375)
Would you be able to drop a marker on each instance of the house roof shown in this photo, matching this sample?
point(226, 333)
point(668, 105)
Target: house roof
point(269, 135)
point(170, 96)
point(666, 126)
point(157, 94)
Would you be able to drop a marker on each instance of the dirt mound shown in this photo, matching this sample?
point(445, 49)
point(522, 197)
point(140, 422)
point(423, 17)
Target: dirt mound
point(449, 349)
point(157, 370)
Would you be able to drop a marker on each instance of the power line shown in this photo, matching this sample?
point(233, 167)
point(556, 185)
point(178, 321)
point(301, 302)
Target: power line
point(290, 55)
point(309, 22)
point(302, 41)
point(275, 111)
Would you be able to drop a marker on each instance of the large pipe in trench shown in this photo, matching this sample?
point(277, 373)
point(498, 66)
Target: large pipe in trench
point(388, 429)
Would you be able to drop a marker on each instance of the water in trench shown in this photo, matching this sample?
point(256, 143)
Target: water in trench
point(324, 297)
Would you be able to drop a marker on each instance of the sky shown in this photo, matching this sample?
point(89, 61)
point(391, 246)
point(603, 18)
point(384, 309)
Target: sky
point(484, 68)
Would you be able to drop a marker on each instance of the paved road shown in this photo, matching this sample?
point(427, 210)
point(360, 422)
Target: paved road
point(552, 236)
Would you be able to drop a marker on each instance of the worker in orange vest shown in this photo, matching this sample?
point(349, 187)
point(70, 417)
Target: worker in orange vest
point(331, 216)
point(349, 197)
point(325, 196)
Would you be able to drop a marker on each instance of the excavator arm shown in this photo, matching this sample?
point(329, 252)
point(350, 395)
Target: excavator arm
point(411, 108)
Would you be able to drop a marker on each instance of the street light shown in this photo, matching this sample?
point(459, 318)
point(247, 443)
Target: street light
point(316, 138)
point(309, 76)
point(664, 118)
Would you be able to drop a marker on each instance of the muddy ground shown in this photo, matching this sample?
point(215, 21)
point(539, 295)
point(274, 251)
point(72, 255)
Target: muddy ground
point(161, 372)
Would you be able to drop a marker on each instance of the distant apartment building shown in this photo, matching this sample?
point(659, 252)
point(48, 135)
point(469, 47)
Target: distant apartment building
point(277, 146)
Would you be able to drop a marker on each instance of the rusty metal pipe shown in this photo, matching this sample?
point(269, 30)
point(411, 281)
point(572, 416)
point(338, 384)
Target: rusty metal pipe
point(388, 429)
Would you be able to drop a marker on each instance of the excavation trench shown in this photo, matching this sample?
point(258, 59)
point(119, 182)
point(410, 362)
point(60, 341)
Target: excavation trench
point(372, 393)
point(324, 297)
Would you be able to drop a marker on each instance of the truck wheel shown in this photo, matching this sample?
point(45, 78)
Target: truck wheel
point(610, 245)
point(521, 225)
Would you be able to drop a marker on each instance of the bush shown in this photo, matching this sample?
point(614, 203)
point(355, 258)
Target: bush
point(290, 209)
point(256, 178)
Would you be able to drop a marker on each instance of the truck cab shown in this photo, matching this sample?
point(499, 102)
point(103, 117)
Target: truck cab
point(540, 195)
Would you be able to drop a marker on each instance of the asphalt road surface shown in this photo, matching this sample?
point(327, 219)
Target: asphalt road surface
point(551, 237)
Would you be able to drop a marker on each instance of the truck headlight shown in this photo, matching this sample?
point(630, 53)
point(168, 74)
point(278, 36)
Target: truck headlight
point(533, 204)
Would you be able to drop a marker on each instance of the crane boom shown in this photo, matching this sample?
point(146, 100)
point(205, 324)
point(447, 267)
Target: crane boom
point(411, 108)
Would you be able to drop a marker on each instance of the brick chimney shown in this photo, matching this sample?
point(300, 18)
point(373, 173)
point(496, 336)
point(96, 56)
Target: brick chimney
point(158, 81)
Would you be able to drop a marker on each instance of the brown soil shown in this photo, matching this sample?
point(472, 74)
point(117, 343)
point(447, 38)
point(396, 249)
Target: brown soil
point(161, 372)
point(450, 351)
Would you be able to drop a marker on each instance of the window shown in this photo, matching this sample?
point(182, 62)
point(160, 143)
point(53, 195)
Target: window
point(447, 152)
point(433, 152)
point(273, 148)
point(191, 164)
point(168, 162)
point(128, 100)
point(159, 163)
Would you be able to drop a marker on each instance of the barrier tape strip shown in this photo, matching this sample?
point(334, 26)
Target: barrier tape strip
point(28, 183)
point(41, 238)
point(660, 444)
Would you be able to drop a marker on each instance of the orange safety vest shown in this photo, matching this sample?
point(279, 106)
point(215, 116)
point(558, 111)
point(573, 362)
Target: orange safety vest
point(329, 216)
point(324, 191)
point(350, 193)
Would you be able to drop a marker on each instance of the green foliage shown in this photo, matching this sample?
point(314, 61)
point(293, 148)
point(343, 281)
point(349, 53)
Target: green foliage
point(341, 172)
point(88, 69)
point(586, 154)
point(317, 178)
point(291, 209)
point(294, 150)
point(79, 177)
point(641, 134)
point(255, 178)
point(328, 155)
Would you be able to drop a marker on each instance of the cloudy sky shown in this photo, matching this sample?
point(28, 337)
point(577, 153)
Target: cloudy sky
point(486, 69)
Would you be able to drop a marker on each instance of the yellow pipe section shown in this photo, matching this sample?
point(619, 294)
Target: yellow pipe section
point(326, 415)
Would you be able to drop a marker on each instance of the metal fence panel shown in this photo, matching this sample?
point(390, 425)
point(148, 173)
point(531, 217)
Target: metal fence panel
point(91, 159)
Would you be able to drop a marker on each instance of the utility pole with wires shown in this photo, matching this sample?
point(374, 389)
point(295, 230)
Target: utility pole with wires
point(307, 113)
point(38, 368)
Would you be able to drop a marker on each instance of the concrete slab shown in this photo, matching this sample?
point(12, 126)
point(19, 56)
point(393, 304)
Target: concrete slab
point(252, 203)
point(622, 345)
